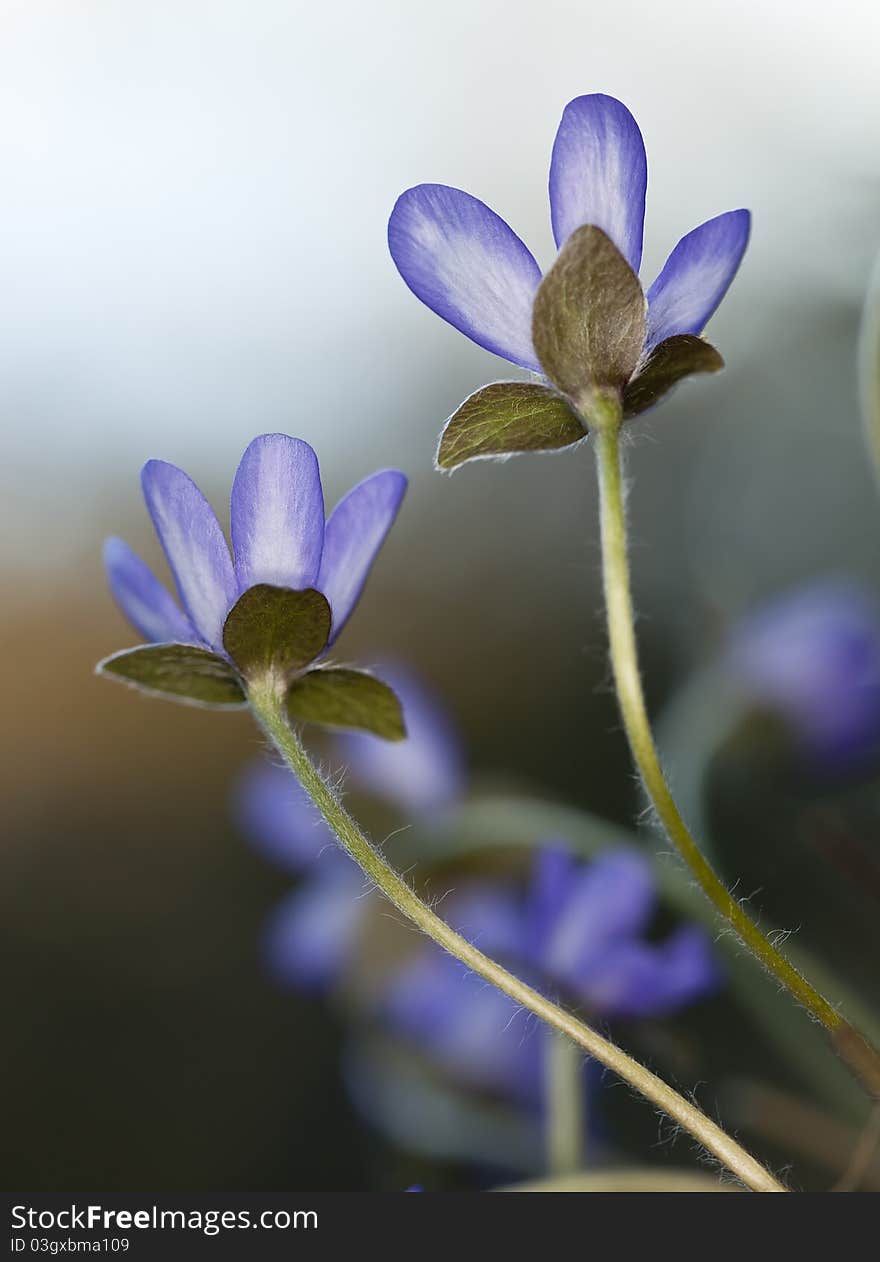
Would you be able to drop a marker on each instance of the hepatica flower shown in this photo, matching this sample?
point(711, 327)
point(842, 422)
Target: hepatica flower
point(578, 933)
point(602, 346)
point(311, 936)
point(273, 608)
point(813, 657)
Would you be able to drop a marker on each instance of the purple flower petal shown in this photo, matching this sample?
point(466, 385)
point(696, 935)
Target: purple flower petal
point(314, 932)
point(195, 548)
point(468, 266)
point(553, 871)
point(604, 902)
point(356, 530)
point(696, 276)
point(637, 979)
point(490, 918)
point(473, 1030)
point(277, 514)
point(278, 816)
point(147, 605)
point(814, 656)
point(599, 174)
point(424, 773)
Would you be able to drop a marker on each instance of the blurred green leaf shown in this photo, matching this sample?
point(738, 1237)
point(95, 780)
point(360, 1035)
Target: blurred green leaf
point(336, 696)
point(182, 672)
point(670, 362)
point(508, 417)
point(276, 628)
point(869, 368)
point(588, 322)
point(408, 1099)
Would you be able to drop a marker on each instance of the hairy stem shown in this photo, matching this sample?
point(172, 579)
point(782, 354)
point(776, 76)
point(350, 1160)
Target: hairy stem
point(267, 703)
point(850, 1045)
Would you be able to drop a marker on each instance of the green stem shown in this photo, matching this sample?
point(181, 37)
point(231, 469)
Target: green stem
point(563, 1104)
point(861, 1058)
point(267, 703)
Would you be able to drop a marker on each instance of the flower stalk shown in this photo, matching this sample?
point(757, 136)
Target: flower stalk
point(861, 1058)
point(266, 695)
point(563, 1104)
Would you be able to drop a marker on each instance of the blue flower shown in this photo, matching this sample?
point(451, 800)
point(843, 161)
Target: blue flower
point(465, 263)
point(279, 537)
point(813, 656)
point(578, 933)
point(311, 936)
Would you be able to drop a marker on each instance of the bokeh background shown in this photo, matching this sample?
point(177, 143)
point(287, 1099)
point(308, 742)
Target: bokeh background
point(193, 199)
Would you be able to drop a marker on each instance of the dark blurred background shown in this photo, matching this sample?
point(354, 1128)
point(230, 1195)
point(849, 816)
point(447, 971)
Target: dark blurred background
point(194, 198)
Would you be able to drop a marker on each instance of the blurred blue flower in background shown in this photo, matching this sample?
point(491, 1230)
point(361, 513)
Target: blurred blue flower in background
point(312, 934)
point(578, 934)
point(813, 657)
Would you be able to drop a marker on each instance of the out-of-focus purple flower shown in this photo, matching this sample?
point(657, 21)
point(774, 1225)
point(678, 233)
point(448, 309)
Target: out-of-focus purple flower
point(311, 937)
point(814, 657)
point(579, 933)
point(279, 537)
point(277, 815)
point(421, 775)
point(468, 266)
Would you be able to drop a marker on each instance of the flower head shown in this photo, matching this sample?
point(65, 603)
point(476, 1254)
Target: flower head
point(587, 326)
point(813, 657)
point(579, 931)
point(277, 603)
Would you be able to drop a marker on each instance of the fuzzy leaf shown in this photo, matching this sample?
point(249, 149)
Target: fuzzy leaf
point(588, 323)
point(182, 672)
point(669, 362)
point(507, 417)
point(276, 628)
point(339, 697)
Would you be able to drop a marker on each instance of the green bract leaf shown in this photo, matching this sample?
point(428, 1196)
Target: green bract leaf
point(276, 628)
point(588, 322)
point(507, 417)
point(336, 696)
point(678, 357)
point(182, 672)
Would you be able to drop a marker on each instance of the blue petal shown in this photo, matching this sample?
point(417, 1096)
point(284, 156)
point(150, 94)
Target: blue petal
point(195, 548)
point(356, 530)
point(277, 514)
point(604, 902)
point(465, 263)
point(423, 774)
point(553, 872)
point(150, 609)
point(474, 1031)
point(489, 917)
point(696, 276)
point(313, 934)
point(637, 979)
point(278, 816)
point(814, 656)
point(599, 174)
